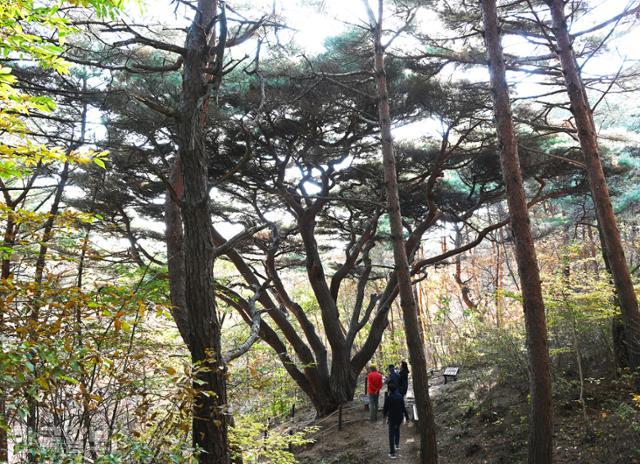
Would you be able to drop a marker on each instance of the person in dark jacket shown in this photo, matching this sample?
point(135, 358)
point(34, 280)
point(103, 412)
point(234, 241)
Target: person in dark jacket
point(394, 411)
point(404, 378)
point(392, 377)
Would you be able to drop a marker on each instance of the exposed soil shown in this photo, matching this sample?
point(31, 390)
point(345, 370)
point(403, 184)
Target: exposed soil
point(360, 441)
point(480, 420)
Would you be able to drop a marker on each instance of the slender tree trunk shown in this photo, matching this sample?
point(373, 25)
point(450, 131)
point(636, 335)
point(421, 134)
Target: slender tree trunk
point(566, 283)
point(34, 317)
point(583, 405)
point(428, 330)
point(541, 427)
point(47, 235)
point(593, 252)
point(5, 274)
point(85, 417)
point(4, 438)
point(506, 259)
point(611, 240)
point(498, 285)
point(465, 291)
point(415, 343)
point(47, 232)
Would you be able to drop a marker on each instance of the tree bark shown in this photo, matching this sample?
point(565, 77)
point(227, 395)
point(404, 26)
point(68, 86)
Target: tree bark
point(465, 291)
point(5, 274)
point(210, 420)
point(612, 242)
point(326, 389)
point(541, 427)
point(174, 238)
point(415, 343)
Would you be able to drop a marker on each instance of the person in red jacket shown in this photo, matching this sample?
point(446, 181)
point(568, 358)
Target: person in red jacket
point(374, 385)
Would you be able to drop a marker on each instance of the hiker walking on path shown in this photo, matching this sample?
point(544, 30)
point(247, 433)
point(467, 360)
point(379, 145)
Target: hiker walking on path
point(395, 412)
point(374, 385)
point(404, 378)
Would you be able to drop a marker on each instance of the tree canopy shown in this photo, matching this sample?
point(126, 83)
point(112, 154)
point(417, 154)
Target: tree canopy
point(206, 221)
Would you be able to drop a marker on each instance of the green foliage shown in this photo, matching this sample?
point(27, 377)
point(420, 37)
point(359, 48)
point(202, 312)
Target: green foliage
point(130, 450)
point(574, 293)
point(107, 351)
point(82, 342)
point(504, 350)
point(264, 387)
point(257, 445)
point(19, 19)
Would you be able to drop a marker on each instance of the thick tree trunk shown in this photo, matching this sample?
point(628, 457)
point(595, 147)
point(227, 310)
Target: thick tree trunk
point(415, 343)
point(174, 238)
point(210, 415)
point(342, 381)
point(620, 352)
point(612, 243)
point(541, 428)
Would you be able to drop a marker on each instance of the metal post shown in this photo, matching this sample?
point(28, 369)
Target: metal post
point(366, 391)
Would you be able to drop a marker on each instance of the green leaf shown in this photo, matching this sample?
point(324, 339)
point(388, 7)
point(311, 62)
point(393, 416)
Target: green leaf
point(99, 162)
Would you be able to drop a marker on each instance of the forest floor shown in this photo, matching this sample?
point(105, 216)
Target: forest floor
point(479, 420)
point(360, 441)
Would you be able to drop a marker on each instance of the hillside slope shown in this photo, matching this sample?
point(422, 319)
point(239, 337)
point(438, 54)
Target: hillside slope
point(482, 421)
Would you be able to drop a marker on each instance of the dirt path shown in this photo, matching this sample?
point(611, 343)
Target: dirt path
point(481, 421)
point(360, 441)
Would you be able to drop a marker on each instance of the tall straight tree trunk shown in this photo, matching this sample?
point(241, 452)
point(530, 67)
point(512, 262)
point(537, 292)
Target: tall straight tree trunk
point(541, 426)
point(174, 238)
point(210, 420)
point(4, 436)
point(415, 343)
point(612, 243)
point(5, 274)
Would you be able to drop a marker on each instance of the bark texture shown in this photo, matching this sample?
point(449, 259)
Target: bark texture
point(190, 243)
point(415, 343)
point(174, 238)
point(5, 274)
point(610, 235)
point(541, 420)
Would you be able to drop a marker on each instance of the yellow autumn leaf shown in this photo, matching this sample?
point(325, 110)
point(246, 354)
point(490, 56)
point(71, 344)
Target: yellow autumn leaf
point(43, 383)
